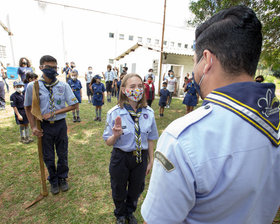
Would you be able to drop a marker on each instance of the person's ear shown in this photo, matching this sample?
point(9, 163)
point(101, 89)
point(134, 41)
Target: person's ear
point(41, 67)
point(123, 90)
point(208, 57)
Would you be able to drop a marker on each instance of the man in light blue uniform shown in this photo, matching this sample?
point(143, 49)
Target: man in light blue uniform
point(220, 163)
point(53, 96)
point(109, 77)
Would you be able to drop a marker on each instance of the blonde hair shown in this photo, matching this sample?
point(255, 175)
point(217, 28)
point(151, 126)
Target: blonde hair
point(124, 99)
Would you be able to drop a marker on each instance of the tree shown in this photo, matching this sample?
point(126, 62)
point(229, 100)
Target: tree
point(268, 11)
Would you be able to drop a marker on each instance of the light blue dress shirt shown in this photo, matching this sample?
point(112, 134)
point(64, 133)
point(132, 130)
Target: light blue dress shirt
point(62, 94)
point(126, 141)
point(109, 76)
point(220, 163)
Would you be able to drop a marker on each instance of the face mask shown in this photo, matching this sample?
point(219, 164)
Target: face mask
point(20, 90)
point(150, 81)
point(134, 94)
point(89, 72)
point(164, 87)
point(74, 78)
point(72, 66)
point(197, 86)
point(171, 76)
point(50, 73)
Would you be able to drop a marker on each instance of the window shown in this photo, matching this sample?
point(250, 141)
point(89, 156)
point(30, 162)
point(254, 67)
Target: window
point(186, 46)
point(172, 44)
point(179, 45)
point(130, 37)
point(111, 35)
point(165, 43)
point(121, 37)
point(149, 40)
point(3, 51)
point(140, 39)
point(111, 61)
point(156, 42)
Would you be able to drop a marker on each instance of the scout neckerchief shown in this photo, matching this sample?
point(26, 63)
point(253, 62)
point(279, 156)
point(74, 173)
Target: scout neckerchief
point(135, 116)
point(256, 103)
point(50, 88)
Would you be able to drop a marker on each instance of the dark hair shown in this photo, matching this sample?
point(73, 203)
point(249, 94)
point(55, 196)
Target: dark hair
point(170, 71)
point(150, 77)
point(234, 36)
point(150, 70)
point(164, 83)
point(47, 58)
point(21, 62)
point(124, 99)
point(30, 75)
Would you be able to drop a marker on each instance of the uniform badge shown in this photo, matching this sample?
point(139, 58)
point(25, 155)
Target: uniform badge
point(145, 116)
point(167, 165)
point(60, 89)
point(58, 102)
point(74, 99)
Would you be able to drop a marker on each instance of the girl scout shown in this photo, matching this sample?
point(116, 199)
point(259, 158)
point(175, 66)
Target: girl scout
point(98, 90)
point(191, 97)
point(76, 87)
point(130, 129)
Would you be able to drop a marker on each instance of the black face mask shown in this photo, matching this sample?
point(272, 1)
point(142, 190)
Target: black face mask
point(72, 66)
point(50, 73)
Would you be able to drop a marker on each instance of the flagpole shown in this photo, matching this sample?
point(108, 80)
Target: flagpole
point(161, 48)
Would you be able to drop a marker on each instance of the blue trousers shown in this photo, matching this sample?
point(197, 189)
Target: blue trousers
point(127, 180)
point(55, 138)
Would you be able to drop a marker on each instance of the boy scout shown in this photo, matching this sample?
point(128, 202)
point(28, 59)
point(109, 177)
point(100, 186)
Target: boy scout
point(220, 163)
point(53, 96)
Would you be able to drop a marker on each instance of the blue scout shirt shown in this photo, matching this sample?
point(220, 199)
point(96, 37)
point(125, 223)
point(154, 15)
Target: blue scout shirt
point(98, 88)
point(220, 163)
point(75, 85)
point(17, 100)
point(164, 93)
point(109, 76)
point(191, 89)
point(126, 141)
point(62, 94)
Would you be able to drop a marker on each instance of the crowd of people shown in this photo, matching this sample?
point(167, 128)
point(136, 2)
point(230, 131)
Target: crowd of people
point(203, 165)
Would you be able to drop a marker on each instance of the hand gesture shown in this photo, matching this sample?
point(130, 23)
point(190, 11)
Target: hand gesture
point(20, 118)
point(117, 129)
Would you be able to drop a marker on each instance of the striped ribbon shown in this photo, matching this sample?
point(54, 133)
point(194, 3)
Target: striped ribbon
point(137, 133)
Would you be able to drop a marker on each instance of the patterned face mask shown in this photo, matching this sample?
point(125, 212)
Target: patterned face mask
point(134, 94)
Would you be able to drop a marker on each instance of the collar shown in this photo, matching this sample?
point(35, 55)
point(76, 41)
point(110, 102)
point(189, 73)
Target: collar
point(47, 84)
point(254, 102)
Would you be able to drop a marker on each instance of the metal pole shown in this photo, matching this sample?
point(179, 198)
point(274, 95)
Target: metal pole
point(161, 49)
point(11, 41)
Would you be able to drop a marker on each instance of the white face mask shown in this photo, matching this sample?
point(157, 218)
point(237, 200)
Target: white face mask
point(74, 78)
point(20, 89)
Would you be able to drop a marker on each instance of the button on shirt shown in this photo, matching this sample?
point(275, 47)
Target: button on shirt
point(109, 76)
point(225, 171)
point(62, 94)
point(126, 141)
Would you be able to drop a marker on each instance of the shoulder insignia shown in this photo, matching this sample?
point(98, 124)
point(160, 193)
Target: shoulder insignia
point(150, 109)
point(167, 165)
point(112, 109)
point(179, 125)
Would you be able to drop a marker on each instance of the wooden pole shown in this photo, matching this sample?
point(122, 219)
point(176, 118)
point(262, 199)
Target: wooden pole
point(161, 49)
point(42, 168)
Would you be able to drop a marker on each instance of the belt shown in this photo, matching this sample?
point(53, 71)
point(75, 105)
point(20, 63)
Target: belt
point(97, 93)
point(134, 153)
point(53, 122)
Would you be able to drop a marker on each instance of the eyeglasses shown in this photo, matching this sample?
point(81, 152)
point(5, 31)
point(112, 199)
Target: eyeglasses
point(50, 67)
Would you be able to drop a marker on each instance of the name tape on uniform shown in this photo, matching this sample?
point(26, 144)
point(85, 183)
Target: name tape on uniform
point(167, 165)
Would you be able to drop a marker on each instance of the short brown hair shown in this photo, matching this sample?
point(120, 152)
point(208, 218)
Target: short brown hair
point(123, 98)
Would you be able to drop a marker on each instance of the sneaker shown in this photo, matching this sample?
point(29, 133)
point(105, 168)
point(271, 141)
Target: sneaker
point(131, 219)
point(96, 119)
point(29, 139)
point(120, 220)
point(74, 119)
point(63, 184)
point(78, 119)
point(24, 141)
point(99, 118)
point(54, 189)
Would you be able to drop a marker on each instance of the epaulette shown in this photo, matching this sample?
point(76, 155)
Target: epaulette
point(179, 125)
point(150, 109)
point(113, 108)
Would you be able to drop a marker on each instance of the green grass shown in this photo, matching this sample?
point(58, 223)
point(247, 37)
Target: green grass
point(89, 197)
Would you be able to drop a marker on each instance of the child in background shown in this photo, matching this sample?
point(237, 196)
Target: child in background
point(17, 103)
point(30, 77)
point(191, 97)
point(88, 78)
point(98, 90)
point(119, 84)
point(115, 87)
point(164, 97)
point(149, 90)
point(76, 87)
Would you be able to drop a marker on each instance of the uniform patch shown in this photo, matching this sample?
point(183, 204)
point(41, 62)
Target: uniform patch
point(60, 89)
point(74, 99)
point(123, 127)
point(145, 116)
point(167, 165)
point(58, 102)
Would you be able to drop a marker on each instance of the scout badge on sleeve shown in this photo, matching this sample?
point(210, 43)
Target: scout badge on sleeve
point(36, 112)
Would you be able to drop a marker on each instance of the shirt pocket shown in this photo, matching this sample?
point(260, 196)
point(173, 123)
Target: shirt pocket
point(126, 137)
point(145, 131)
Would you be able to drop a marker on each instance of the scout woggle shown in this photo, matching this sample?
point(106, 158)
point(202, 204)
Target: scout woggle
point(134, 94)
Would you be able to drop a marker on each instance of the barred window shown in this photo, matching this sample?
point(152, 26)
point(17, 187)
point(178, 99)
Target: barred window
point(3, 51)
